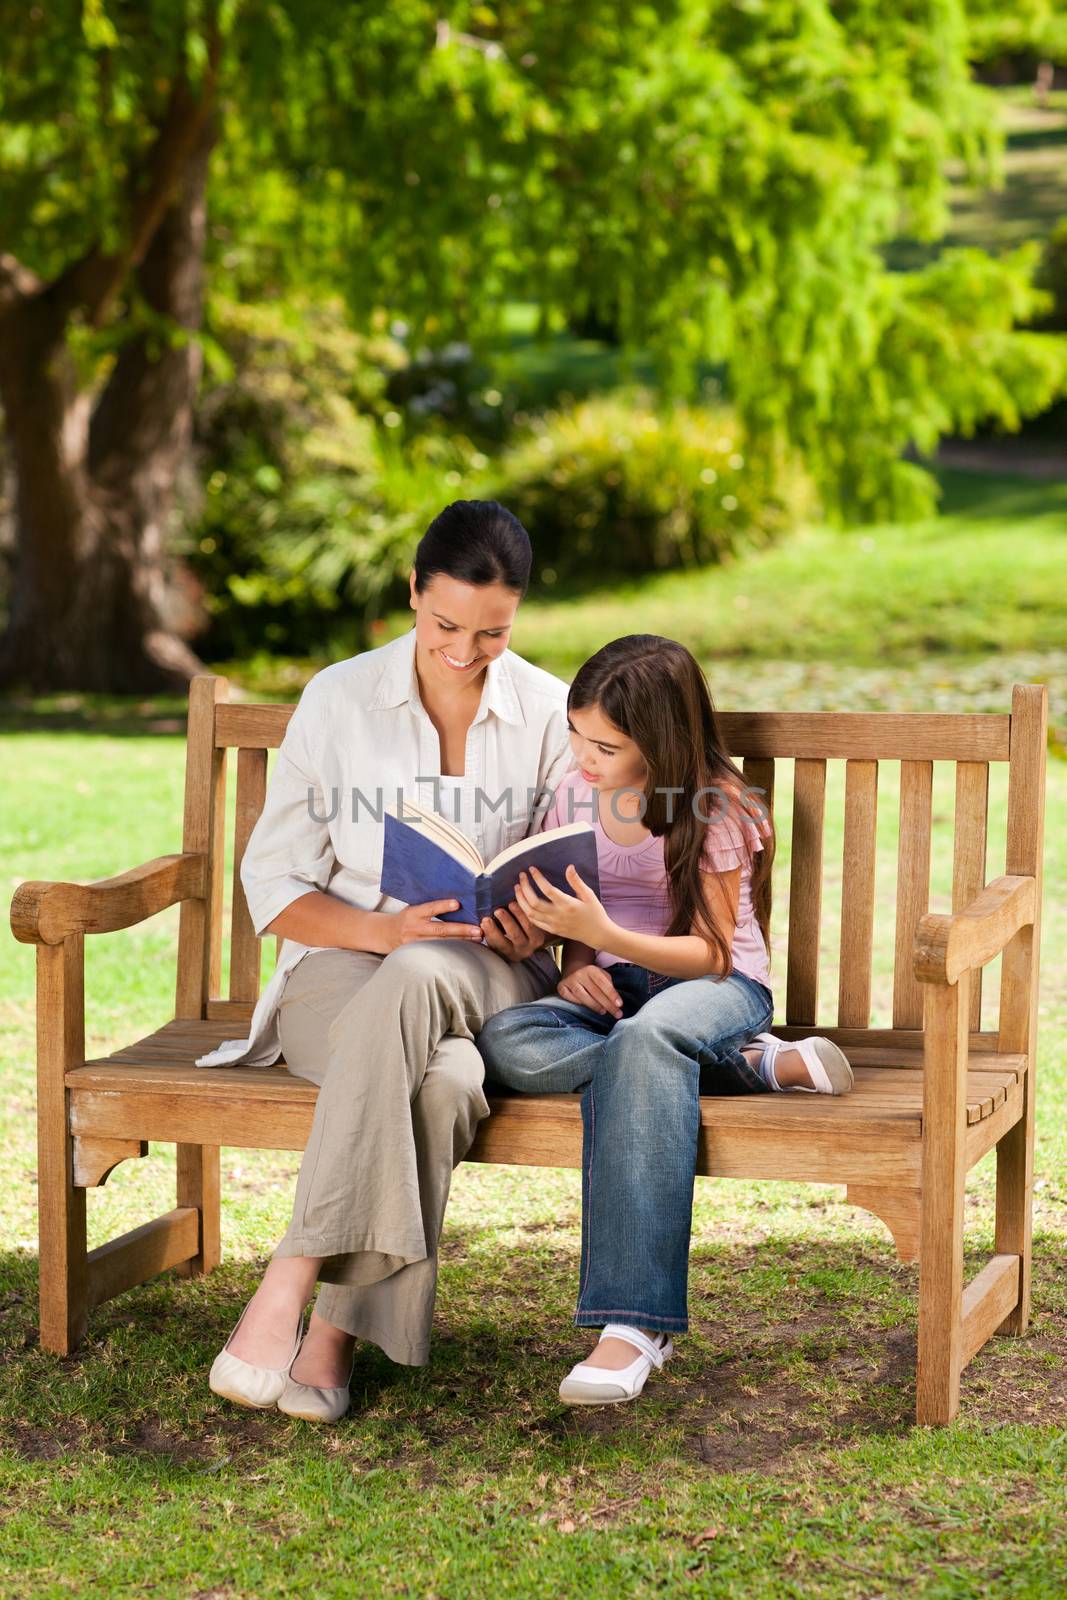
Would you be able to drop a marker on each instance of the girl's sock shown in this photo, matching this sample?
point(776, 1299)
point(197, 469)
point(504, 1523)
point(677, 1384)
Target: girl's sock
point(765, 1066)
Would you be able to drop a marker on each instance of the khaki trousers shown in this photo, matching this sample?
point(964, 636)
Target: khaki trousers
point(390, 1040)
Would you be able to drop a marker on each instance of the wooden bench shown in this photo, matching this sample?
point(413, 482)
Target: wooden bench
point(933, 1093)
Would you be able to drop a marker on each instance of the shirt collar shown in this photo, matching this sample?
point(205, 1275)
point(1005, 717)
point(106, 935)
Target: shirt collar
point(399, 685)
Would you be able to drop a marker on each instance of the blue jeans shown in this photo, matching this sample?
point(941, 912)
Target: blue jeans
point(641, 1077)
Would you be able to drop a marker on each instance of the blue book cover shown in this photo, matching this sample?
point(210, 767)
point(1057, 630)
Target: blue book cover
point(425, 857)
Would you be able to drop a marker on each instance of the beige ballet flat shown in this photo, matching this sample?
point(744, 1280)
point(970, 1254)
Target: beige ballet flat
point(311, 1404)
point(245, 1383)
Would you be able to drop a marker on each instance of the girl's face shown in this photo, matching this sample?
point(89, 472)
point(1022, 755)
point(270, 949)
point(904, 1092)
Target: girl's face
point(608, 758)
point(460, 627)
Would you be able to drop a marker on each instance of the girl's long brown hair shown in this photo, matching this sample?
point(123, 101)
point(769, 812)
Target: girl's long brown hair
point(653, 690)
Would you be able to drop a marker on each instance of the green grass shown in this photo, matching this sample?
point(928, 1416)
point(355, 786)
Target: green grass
point(985, 577)
point(775, 1457)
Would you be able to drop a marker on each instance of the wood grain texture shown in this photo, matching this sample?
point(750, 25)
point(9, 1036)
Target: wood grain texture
point(805, 894)
point(897, 1208)
point(200, 923)
point(945, 946)
point(199, 1188)
point(969, 848)
point(96, 1159)
point(803, 735)
point(857, 894)
point(244, 943)
point(987, 1300)
point(46, 913)
point(1019, 980)
point(63, 1288)
point(913, 888)
point(941, 1230)
point(865, 736)
point(136, 1256)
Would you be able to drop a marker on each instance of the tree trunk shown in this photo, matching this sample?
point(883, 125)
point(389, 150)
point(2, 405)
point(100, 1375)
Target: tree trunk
point(95, 488)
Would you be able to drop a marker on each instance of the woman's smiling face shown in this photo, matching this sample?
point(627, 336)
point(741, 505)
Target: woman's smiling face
point(460, 627)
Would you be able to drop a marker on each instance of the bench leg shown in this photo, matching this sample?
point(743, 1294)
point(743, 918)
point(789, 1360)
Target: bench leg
point(1014, 1215)
point(198, 1186)
point(941, 1208)
point(63, 1281)
point(63, 1271)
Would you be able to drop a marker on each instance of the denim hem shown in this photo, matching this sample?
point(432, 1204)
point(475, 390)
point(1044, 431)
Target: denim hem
point(632, 1319)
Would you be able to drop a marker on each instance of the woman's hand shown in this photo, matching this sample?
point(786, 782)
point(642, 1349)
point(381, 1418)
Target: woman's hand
point(415, 922)
point(577, 916)
point(590, 986)
point(511, 934)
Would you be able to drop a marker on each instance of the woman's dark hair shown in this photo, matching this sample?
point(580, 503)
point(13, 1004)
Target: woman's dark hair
point(478, 542)
point(653, 691)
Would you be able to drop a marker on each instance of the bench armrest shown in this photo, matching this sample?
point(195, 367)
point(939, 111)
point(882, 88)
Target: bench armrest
point(47, 913)
point(947, 945)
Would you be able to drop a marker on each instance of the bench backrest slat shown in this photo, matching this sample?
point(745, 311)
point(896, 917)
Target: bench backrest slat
point(862, 743)
point(857, 894)
point(913, 887)
point(203, 832)
point(244, 945)
point(805, 892)
point(969, 851)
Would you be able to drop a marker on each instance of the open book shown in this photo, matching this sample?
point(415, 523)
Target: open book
point(426, 857)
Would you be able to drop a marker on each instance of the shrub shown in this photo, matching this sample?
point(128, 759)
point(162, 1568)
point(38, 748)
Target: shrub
point(613, 486)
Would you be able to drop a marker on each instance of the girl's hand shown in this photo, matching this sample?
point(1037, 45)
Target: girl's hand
point(590, 986)
point(573, 916)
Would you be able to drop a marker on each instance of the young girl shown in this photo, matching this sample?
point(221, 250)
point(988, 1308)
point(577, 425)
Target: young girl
point(664, 992)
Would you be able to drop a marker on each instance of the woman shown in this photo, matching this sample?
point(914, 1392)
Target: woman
point(376, 1001)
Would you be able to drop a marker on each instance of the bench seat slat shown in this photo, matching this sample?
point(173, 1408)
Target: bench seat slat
point(162, 1067)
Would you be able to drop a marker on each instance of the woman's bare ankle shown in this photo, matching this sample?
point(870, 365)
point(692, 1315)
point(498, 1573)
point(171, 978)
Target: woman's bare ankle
point(325, 1359)
point(265, 1337)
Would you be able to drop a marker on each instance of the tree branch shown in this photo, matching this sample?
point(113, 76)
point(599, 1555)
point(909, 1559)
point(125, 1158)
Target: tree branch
point(17, 283)
point(91, 282)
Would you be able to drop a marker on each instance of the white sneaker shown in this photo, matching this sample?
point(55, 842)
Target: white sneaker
point(599, 1386)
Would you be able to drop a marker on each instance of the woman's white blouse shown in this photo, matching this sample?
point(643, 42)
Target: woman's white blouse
point(359, 738)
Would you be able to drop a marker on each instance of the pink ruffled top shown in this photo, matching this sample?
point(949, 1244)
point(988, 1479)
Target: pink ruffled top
point(633, 877)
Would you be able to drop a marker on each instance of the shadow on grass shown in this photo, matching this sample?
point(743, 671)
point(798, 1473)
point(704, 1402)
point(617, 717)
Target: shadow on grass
point(1000, 497)
point(794, 1348)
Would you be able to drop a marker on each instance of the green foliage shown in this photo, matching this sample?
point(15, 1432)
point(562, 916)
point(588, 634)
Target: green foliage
point(317, 486)
point(936, 352)
point(1052, 277)
point(613, 486)
point(83, 89)
point(310, 510)
point(1029, 28)
point(715, 182)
